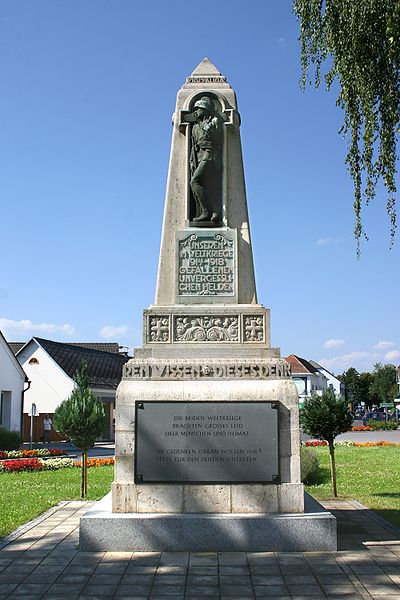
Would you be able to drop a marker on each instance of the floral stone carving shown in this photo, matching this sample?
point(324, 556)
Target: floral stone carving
point(207, 329)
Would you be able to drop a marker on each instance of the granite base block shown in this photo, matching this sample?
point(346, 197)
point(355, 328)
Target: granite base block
point(101, 531)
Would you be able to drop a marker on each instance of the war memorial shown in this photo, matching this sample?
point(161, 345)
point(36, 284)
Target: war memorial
point(207, 425)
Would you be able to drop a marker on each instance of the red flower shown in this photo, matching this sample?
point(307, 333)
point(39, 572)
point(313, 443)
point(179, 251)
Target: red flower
point(23, 464)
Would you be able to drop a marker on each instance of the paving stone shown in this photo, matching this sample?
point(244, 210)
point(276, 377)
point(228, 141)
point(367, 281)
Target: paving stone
point(265, 570)
point(232, 558)
point(268, 580)
point(139, 589)
point(207, 558)
point(202, 580)
point(207, 592)
point(203, 570)
point(165, 579)
point(305, 590)
point(235, 580)
point(271, 591)
point(233, 591)
point(233, 570)
point(106, 591)
point(166, 590)
point(174, 558)
point(134, 569)
point(142, 579)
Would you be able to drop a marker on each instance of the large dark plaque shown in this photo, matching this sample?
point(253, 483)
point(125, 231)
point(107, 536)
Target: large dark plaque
point(206, 442)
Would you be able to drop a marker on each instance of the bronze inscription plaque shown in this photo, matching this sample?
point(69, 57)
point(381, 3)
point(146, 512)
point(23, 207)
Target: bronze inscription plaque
point(206, 442)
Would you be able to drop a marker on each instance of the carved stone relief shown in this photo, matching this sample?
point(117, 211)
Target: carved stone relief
point(159, 329)
point(253, 327)
point(206, 329)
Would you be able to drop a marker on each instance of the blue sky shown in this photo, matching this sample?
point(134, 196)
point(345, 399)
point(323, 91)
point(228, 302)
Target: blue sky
point(87, 90)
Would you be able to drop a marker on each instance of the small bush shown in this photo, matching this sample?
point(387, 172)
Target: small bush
point(309, 465)
point(382, 425)
point(9, 440)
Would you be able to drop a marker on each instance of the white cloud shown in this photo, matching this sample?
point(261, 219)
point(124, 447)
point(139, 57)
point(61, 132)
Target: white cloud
point(383, 345)
point(281, 42)
point(362, 361)
point(27, 328)
point(333, 343)
point(328, 240)
point(393, 355)
point(113, 331)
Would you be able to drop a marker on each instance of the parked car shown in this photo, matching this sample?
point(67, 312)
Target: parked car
point(376, 416)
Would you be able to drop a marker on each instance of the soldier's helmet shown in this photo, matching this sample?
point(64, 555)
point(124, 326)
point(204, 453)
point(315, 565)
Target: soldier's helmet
point(205, 103)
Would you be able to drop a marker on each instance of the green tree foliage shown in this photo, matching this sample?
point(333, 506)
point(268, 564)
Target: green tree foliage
point(324, 417)
point(365, 382)
point(81, 418)
point(361, 42)
point(351, 379)
point(384, 386)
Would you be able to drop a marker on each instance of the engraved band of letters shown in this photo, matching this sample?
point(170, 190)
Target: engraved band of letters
point(206, 442)
point(276, 370)
point(206, 265)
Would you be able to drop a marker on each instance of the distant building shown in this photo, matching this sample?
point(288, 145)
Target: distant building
point(333, 382)
point(12, 386)
point(308, 378)
point(51, 366)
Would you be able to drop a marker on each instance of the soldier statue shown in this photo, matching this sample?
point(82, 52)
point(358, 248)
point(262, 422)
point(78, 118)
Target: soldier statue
point(206, 162)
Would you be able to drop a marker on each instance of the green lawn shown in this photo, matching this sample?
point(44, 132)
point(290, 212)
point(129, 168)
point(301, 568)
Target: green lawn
point(370, 475)
point(24, 496)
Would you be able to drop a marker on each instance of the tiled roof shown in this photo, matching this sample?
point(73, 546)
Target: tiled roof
point(104, 368)
point(16, 346)
point(300, 365)
point(112, 347)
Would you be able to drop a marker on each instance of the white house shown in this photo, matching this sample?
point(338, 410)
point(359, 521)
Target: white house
point(12, 385)
point(333, 382)
point(308, 379)
point(51, 367)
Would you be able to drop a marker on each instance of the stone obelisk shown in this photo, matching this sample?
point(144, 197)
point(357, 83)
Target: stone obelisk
point(207, 429)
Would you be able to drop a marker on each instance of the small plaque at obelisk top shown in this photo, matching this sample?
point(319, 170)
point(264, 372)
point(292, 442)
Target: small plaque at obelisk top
point(207, 430)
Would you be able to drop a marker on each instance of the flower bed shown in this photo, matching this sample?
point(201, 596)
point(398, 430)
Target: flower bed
point(24, 464)
point(48, 464)
point(350, 443)
point(361, 428)
point(6, 454)
point(97, 462)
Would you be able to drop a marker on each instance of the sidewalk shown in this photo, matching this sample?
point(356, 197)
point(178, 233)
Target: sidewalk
point(41, 561)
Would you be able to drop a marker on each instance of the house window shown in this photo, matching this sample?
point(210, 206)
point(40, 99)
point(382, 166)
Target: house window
point(34, 361)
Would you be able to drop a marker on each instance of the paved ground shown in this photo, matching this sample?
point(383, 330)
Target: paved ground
point(41, 561)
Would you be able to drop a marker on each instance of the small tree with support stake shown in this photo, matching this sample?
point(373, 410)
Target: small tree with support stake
point(81, 418)
point(324, 417)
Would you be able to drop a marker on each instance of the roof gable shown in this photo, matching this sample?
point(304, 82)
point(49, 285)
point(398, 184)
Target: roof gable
point(12, 357)
point(300, 365)
point(104, 368)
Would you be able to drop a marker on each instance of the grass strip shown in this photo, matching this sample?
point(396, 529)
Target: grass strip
point(24, 496)
point(370, 475)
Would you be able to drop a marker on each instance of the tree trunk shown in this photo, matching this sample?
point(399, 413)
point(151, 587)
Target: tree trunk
point(333, 468)
point(83, 474)
point(86, 467)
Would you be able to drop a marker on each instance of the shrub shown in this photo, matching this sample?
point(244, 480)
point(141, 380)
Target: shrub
point(382, 425)
point(9, 440)
point(309, 465)
point(324, 417)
